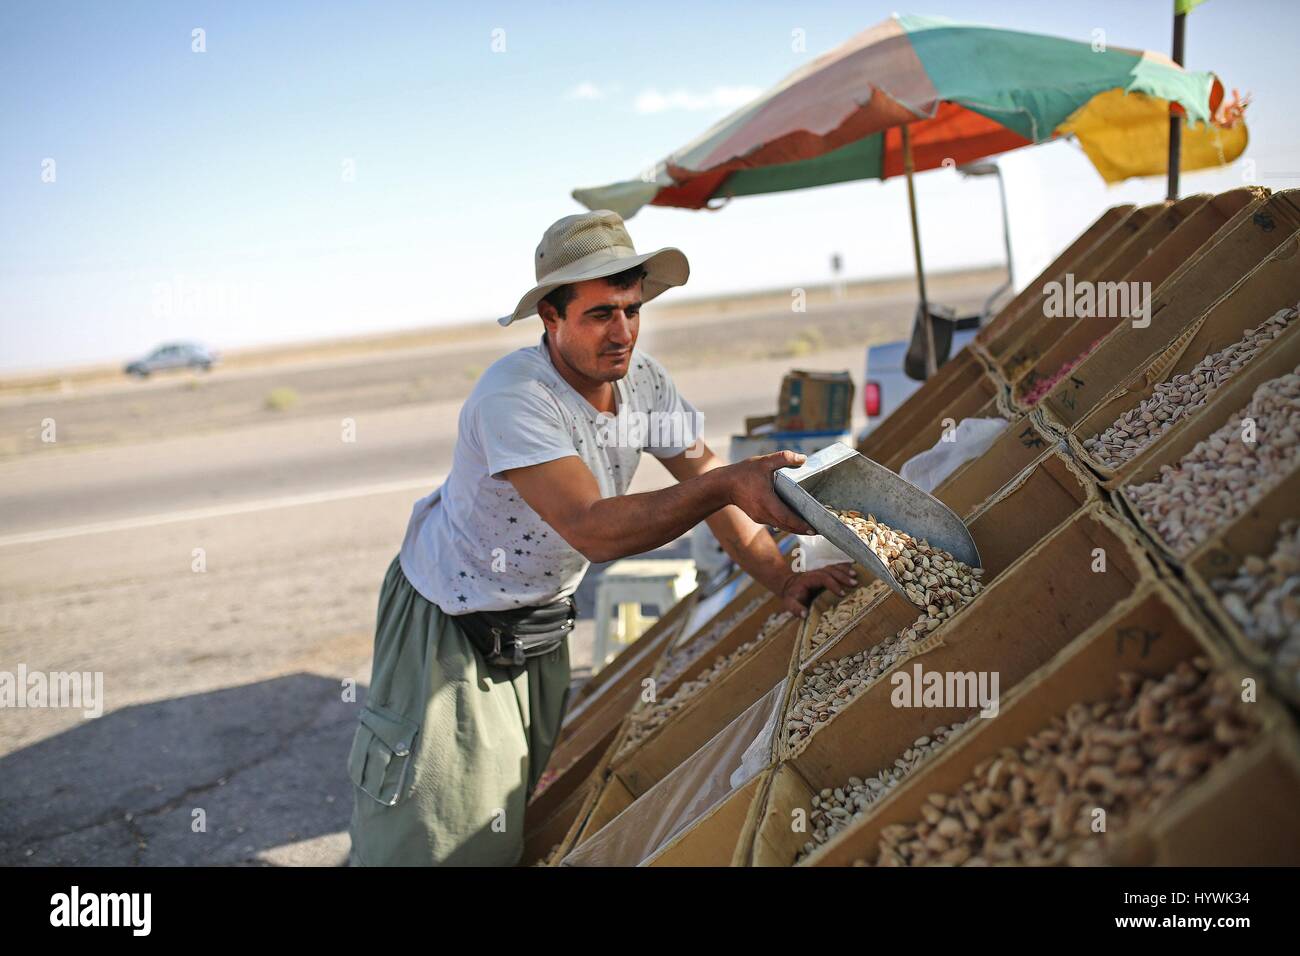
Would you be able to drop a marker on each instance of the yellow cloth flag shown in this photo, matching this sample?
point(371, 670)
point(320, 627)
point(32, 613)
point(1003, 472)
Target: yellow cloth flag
point(1127, 135)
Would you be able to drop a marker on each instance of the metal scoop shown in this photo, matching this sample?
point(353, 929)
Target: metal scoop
point(839, 477)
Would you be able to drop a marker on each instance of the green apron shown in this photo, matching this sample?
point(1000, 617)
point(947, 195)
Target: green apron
point(449, 747)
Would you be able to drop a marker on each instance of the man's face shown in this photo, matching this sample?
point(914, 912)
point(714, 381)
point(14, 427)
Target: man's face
point(599, 330)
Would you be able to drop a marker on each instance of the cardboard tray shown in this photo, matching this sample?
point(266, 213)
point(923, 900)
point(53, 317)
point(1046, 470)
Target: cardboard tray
point(1051, 593)
point(1280, 359)
point(1237, 248)
point(1253, 533)
point(1242, 811)
point(1027, 510)
point(1025, 441)
point(1047, 345)
point(1270, 286)
point(955, 375)
point(1000, 346)
point(1063, 263)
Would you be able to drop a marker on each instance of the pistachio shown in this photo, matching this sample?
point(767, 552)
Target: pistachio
point(1263, 599)
point(834, 810)
point(679, 658)
point(648, 717)
point(1175, 399)
point(1227, 473)
point(1034, 811)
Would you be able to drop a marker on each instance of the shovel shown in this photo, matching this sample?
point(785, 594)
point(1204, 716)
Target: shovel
point(839, 477)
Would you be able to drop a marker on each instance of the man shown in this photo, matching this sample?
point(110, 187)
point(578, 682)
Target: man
point(471, 661)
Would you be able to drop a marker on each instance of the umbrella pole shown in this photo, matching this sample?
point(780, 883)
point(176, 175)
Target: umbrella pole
point(930, 361)
point(1175, 121)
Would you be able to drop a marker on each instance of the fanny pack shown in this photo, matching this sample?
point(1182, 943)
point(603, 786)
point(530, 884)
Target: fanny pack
point(509, 638)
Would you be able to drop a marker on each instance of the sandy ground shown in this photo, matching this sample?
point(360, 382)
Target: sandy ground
point(218, 562)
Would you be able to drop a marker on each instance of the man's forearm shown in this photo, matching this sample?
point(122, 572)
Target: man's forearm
point(633, 524)
point(751, 546)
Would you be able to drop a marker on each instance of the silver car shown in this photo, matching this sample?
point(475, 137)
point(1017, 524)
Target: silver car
point(172, 356)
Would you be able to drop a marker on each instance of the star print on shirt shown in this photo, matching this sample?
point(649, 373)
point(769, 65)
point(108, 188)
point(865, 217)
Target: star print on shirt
point(512, 520)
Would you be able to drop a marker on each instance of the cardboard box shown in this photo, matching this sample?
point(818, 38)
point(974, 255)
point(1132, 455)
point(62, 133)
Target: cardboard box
point(638, 656)
point(1028, 508)
point(544, 834)
point(924, 405)
point(1253, 533)
point(1272, 285)
point(1281, 359)
point(592, 724)
point(1057, 339)
point(1030, 609)
point(696, 796)
point(1141, 265)
point(1103, 225)
point(1240, 812)
point(1019, 623)
point(1196, 232)
point(754, 422)
point(999, 345)
point(980, 399)
point(708, 712)
point(1024, 442)
point(719, 834)
point(1241, 245)
point(815, 402)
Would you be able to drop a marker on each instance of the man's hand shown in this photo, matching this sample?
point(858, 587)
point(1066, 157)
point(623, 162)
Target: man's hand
point(752, 490)
point(801, 587)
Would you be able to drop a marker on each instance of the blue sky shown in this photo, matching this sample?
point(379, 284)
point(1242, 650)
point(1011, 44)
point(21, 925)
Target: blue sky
point(340, 168)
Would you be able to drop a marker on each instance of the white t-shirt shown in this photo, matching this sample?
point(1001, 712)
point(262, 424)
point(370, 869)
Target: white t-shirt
point(474, 544)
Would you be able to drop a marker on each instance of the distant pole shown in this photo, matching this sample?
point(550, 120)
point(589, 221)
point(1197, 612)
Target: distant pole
point(931, 358)
point(1176, 121)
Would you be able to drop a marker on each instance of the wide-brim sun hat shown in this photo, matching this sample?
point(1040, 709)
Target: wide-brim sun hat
point(593, 245)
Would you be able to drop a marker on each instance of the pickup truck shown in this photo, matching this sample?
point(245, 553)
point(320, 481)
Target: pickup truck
point(885, 385)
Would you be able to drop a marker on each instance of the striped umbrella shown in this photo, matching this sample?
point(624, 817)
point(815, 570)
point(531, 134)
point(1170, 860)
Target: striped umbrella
point(915, 93)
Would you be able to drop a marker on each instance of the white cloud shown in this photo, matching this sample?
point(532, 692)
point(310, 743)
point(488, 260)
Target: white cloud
point(586, 91)
point(653, 101)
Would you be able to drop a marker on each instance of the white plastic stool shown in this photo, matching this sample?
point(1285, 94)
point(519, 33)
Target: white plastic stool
point(628, 584)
